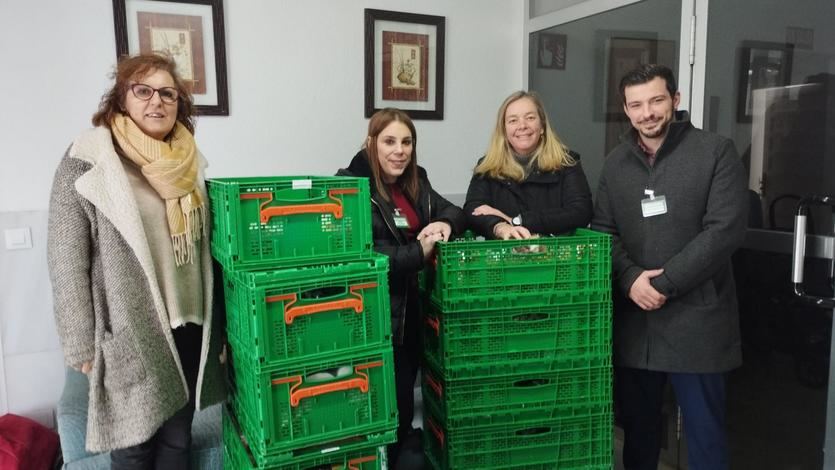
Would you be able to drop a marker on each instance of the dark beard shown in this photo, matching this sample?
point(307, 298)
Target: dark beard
point(661, 131)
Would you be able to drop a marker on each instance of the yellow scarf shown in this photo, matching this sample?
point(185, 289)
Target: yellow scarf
point(171, 169)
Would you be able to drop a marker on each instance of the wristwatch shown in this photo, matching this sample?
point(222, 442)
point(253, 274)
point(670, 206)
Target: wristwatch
point(516, 221)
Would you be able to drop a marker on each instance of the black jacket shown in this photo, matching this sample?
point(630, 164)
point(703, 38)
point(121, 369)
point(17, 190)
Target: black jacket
point(549, 203)
point(405, 257)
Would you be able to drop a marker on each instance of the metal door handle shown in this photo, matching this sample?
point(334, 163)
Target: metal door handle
point(799, 249)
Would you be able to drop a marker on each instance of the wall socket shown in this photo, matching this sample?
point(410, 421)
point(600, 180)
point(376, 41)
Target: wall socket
point(18, 238)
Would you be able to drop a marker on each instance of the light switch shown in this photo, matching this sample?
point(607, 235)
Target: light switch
point(18, 238)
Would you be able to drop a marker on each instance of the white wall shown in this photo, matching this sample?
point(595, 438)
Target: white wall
point(295, 86)
point(295, 73)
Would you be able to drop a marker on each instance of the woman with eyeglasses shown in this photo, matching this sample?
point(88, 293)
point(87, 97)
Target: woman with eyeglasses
point(131, 272)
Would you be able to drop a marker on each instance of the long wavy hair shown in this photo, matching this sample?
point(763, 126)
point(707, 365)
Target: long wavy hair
point(408, 181)
point(134, 67)
point(550, 155)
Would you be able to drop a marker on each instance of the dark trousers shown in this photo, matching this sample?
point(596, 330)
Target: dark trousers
point(639, 395)
point(169, 447)
point(406, 365)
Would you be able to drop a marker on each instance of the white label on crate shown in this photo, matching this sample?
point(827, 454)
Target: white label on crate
point(302, 184)
point(329, 450)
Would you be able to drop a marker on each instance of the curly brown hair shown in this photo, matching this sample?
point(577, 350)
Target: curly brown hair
point(137, 66)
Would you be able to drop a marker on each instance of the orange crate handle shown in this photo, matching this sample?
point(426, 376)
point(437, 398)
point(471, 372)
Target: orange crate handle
point(354, 464)
point(438, 432)
point(433, 323)
point(297, 394)
point(355, 302)
point(334, 207)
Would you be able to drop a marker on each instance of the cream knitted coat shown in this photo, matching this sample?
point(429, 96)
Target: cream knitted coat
point(108, 305)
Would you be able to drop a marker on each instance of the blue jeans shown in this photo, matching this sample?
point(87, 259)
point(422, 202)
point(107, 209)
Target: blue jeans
point(639, 396)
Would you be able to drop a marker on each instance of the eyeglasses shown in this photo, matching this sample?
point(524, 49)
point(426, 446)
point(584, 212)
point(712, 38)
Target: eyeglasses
point(144, 92)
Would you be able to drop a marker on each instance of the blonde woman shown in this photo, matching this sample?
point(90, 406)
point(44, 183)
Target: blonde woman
point(529, 182)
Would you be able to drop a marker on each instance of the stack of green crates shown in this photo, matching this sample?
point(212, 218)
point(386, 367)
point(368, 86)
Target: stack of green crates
point(517, 354)
point(311, 371)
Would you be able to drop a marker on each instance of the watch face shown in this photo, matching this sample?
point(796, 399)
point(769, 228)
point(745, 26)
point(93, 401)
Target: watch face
point(517, 220)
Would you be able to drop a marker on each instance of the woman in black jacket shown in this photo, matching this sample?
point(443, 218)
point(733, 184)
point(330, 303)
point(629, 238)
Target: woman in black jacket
point(529, 182)
point(408, 218)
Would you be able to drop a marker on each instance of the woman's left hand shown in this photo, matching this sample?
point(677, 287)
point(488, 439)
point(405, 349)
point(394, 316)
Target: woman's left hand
point(441, 228)
point(484, 209)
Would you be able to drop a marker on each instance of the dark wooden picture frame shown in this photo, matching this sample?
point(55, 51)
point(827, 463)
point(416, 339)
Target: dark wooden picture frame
point(404, 63)
point(761, 65)
point(192, 32)
point(551, 52)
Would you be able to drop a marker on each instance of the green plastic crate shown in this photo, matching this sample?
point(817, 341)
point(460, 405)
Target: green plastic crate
point(289, 220)
point(482, 274)
point(293, 408)
point(306, 314)
point(519, 340)
point(359, 453)
point(577, 443)
point(514, 398)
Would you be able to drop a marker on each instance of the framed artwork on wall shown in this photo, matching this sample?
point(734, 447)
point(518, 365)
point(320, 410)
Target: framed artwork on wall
point(191, 31)
point(404, 63)
point(761, 65)
point(620, 52)
point(551, 51)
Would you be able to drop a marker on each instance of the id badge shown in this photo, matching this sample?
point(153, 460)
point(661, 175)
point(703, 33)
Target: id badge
point(400, 221)
point(654, 205)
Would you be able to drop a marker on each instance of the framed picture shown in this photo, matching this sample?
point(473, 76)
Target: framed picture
point(762, 65)
point(191, 31)
point(551, 51)
point(404, 63)
point(624, 53)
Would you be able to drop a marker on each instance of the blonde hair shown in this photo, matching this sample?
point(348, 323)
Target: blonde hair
point(550, 155)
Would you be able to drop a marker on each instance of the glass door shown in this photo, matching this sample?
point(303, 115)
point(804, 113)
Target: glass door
point(575, 61)
point(761, 72)
point(576, 65)
point(770, 85)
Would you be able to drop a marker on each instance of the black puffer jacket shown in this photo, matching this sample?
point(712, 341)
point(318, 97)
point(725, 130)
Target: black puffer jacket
point(405, 257)
point(549, 203)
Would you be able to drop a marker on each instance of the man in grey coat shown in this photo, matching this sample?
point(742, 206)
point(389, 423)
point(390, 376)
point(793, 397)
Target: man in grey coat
point(674, 199)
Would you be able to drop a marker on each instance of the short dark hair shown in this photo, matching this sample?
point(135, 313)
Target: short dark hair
point(645, 73)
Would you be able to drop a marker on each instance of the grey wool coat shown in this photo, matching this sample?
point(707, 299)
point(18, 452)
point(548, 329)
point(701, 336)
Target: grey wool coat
point(703, 180)
point(108, 305)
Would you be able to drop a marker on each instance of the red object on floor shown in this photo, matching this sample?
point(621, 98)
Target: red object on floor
point(25, 444)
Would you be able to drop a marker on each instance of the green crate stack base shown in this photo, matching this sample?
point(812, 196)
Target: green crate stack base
point(307, 314)
point(519, 340)
point(289, 221)
point(360, 453)
point(541, 272)
point(511, 398)
point(575, 443)
point(287, 409)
